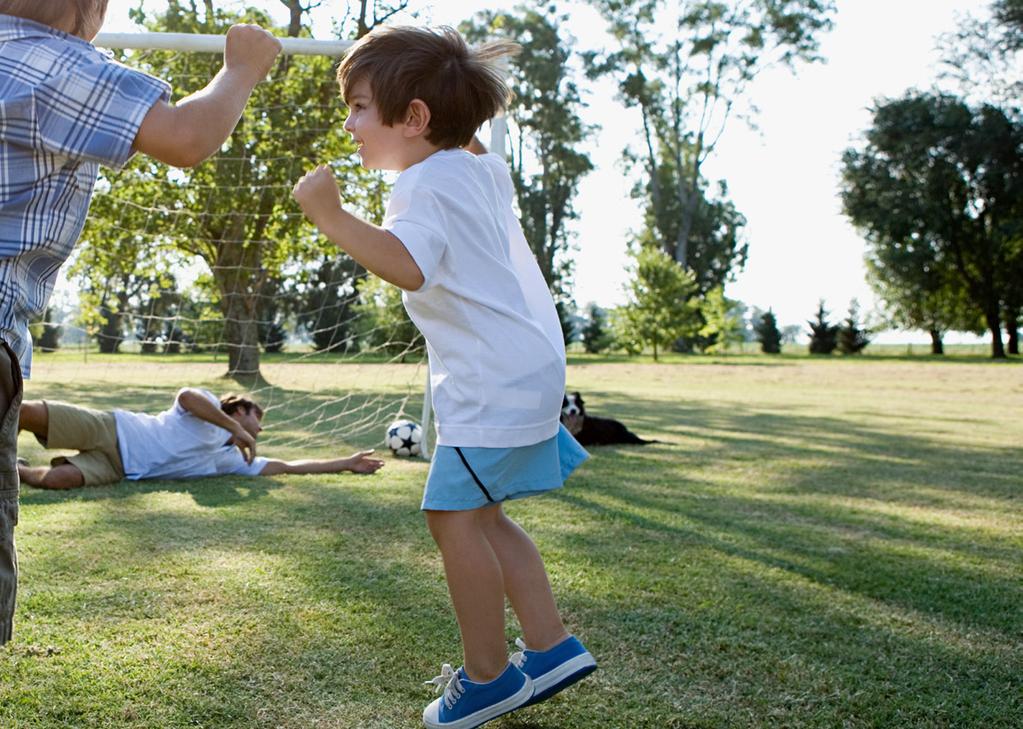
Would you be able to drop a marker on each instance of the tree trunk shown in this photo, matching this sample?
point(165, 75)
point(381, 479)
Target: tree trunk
point(937, 346)
point(1012, 330)
point(994, 325)
point(238, 274)
point(242, 335)
point(295, 17)
point(109, 335)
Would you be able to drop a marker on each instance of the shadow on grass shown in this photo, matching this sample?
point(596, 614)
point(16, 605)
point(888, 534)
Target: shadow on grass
point(761, 568)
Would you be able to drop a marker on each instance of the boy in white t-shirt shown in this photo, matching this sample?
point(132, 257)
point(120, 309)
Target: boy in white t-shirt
point(452, 243)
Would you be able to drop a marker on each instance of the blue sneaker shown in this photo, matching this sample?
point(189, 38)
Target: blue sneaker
point(554, 669)
point(467, 704)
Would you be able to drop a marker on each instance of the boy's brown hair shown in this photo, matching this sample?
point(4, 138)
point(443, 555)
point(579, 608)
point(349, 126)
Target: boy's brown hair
point(52, 12)
point(462, 86)
point(232, 403)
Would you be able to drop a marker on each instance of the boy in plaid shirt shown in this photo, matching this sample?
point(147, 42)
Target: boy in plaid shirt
point(66, 108)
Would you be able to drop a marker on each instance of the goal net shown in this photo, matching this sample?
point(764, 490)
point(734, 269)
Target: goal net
point(216, 266)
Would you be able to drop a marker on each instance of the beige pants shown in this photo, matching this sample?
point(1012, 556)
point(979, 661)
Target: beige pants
point(10, 405)
point(93, 433)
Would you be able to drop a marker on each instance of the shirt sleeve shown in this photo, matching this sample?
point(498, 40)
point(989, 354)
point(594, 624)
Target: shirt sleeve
point(416, 218)
point(229, 461)
point(93, 111)
point(209, 433)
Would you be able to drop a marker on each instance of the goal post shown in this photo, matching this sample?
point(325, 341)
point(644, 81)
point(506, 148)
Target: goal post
point(240, 205)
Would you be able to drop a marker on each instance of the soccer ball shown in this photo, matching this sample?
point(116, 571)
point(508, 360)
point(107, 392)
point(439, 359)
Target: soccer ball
point(404, 438)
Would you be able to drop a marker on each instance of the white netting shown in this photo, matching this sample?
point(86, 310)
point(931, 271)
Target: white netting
point(217, 265)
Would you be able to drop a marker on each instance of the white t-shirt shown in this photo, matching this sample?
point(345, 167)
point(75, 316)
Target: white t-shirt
point(176, 444)
point(497, 355)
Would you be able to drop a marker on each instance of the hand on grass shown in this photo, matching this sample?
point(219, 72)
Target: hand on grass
point(362, 463)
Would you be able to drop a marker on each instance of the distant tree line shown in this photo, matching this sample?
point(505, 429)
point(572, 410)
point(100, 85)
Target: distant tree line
point(217, 257)
point(936, 187)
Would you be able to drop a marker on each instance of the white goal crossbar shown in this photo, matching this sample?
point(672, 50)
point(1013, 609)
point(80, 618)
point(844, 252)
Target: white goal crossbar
point(197, 43)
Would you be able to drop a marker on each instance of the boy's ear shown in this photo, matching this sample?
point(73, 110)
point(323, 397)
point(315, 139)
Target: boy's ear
point(417, 118)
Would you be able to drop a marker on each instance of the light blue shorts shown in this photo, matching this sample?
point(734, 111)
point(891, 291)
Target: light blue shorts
point(469, 478)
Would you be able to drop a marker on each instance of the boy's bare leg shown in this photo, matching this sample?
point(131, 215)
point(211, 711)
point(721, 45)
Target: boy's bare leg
point(525, 580)
point(34, 417)
point(477, 590)
point(64, 476)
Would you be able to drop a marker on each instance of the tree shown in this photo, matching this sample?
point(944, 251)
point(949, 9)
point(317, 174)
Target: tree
point(722, 321)
point(566, 318)
point(686, 66)
point(364, 14)
point(981, 58)
point(662, 306)
point(852, 339)
point(919, 290)
point(547, 162)
point(936, 172)
point(235, 212)
point(823, 334)
point(595, 335)
point(767, 333)
point(46, 332)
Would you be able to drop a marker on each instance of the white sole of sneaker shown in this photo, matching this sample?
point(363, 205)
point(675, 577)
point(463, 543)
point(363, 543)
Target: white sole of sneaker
point(559, 674)
point(493, 711)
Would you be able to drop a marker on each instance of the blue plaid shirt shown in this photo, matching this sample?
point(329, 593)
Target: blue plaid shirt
point(65, 108)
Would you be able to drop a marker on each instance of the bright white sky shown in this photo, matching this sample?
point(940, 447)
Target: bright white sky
point(783, 178)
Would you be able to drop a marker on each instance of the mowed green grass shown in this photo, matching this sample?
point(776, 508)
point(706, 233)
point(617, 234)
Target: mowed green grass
point(815, 543)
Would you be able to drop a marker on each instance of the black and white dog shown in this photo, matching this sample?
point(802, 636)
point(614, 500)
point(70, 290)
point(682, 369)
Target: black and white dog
point(594, 431)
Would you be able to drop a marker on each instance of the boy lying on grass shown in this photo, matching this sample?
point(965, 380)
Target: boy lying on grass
point(197, 436)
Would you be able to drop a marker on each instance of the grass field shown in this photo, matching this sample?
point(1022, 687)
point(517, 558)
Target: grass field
point(816, 543)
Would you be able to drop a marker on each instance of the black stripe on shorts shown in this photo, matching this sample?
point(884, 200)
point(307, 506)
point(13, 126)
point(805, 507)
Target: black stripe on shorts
point(473, 474)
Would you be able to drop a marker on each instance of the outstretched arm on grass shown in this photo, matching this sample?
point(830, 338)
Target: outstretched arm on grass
point(361, 462)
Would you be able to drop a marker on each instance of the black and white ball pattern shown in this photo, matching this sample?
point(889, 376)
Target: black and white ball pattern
point(404, 438)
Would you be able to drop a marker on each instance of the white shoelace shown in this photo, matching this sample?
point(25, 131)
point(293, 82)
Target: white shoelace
point(449, 681)
point(518, 658)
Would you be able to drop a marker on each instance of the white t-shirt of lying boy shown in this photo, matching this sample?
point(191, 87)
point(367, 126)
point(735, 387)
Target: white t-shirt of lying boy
point(497, 356)
point(176, 444)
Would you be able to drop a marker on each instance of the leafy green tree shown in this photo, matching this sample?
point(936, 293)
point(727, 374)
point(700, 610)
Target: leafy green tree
point(122, 259)
point(234, 212)
point(934, 171)
point(823, 334)
point(767, 332)
point(852, 338)
point(687, 67)
point(919, 290)
point(662, 304)
point(596, 336)
point(722, 321)
point(328, 294)
point(548, 134)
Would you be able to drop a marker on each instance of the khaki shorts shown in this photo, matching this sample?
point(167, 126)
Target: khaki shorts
point(93, 433)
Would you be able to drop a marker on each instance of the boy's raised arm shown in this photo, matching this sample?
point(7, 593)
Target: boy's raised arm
point(375, 248)
point(185, 134)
